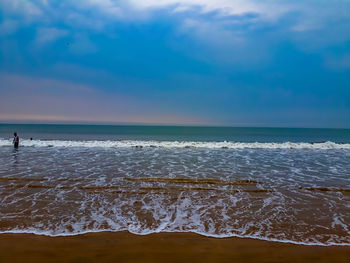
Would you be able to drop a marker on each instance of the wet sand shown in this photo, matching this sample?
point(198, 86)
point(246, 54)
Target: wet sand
point(163, 247)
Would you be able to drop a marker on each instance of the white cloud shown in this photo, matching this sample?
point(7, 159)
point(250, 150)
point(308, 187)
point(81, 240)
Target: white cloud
point(267, 9)
point(111, 10)
point(338, 62)
point(310, 24)
point(27, 8)
point(82, 45)
point(105, 6)
point(308, 15)
point(47, 35)
point(8, 27)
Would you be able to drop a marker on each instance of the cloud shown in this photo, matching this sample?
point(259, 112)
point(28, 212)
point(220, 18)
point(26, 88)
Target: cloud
point(299, 21)
point(47, 35)
point(134, 47)
point(26, 8)
point(105, 6)
point(312, 12)
point(82, 45)
point(267, 9)
point(338, 62)
point(8, 27)
point(222, 44)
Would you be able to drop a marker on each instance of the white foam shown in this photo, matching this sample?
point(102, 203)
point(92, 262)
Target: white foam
point(50, 234)
point(178, 144)
point(76, 210)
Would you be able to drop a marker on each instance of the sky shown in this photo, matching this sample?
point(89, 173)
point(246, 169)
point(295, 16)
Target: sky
point(186, 62)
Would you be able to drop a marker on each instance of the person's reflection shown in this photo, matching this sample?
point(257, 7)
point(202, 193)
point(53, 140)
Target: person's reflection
point(15, 157)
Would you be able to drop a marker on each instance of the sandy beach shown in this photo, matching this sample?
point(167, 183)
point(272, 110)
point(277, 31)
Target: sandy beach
point(163, 247)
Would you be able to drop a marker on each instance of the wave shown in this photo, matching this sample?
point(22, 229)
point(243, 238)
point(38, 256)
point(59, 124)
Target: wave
point(178, 144)
point(192, 181)
point(345, 191)
point(132, 231)
point(140, 190)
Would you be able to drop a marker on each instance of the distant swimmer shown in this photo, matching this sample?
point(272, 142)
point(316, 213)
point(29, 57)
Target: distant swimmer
point(15, 140)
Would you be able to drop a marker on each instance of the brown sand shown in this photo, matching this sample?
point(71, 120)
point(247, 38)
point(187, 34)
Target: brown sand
point(164, 247)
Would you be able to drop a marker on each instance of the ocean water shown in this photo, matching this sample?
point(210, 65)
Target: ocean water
point(287, 185)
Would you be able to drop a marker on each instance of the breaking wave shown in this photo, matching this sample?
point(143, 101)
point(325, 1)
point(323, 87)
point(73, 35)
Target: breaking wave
point(179, 144)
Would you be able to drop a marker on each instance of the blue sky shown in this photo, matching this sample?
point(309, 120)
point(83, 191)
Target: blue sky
point(194, 62)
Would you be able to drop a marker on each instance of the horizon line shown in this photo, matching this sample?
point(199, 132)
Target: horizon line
point(5, 122)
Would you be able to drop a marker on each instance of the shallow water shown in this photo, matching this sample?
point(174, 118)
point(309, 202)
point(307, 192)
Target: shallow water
point(275, 191)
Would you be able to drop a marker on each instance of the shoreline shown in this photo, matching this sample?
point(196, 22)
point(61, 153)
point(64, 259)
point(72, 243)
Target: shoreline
point(159, 247)
point(274, 240)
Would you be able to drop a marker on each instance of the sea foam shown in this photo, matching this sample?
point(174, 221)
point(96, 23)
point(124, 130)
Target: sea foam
point(178, 144)
point(62, 188)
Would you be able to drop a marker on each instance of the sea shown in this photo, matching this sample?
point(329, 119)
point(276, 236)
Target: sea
point(278, 184)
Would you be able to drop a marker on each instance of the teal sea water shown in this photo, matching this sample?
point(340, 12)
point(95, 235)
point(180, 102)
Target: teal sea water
point(278, 184)
point(173, 133)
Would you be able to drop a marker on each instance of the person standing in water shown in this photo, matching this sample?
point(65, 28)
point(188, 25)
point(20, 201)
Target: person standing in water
point(15, 140)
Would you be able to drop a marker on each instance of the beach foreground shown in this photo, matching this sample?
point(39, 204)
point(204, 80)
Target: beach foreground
point(162, 247)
